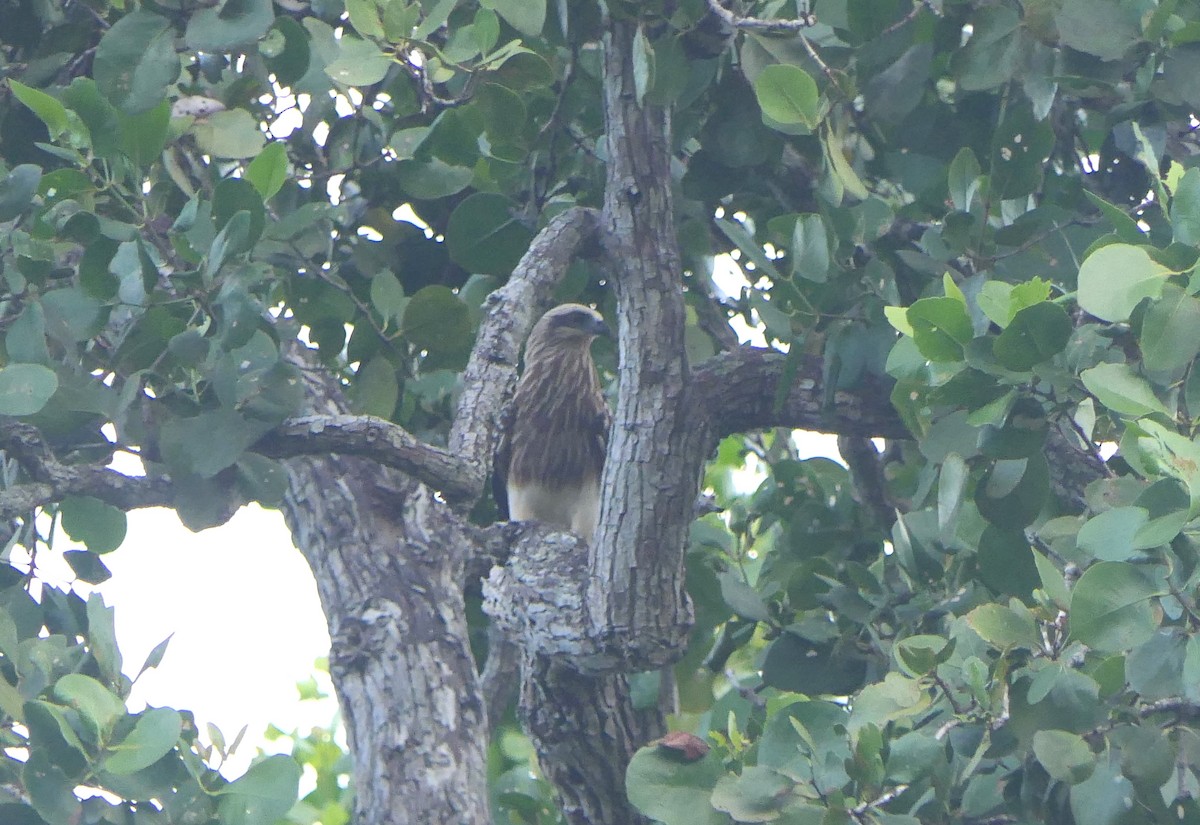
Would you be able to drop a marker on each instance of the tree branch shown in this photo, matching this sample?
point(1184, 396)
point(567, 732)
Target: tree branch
point(637, 603)
point(866, 471)
point(740, 391)
point(756, 24)
point(53, 481)
point(370, 437)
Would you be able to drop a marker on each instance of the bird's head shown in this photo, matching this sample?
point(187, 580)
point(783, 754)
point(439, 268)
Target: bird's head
point(568, 325)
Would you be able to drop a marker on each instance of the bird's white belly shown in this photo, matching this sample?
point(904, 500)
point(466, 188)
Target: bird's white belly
point(575, 508)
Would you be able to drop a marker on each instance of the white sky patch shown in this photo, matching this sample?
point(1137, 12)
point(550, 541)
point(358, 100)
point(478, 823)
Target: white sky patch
point(243, 608)
point(730, 281)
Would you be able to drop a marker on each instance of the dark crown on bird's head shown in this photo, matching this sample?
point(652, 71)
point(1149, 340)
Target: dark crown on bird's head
point(570, 322)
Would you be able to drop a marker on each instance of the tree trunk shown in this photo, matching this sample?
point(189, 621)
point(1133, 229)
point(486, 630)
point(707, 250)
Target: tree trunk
point(388, 560)
point(383, 551)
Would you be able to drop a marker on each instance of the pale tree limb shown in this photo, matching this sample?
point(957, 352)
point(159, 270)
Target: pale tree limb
point(386, 443)
point(762, 26)
point(741, 390)
point(52, 480)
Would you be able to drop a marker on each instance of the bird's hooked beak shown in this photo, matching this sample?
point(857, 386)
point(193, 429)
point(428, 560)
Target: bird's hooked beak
point(601, 329)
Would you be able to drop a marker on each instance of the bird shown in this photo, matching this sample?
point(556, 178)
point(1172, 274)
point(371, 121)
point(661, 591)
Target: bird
point(552, 445)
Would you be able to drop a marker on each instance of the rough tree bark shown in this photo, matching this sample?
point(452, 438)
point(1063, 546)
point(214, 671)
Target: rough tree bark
point(388, 560)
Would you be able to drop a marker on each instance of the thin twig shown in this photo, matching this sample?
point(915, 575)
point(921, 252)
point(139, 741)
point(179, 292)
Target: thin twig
point(757, 24)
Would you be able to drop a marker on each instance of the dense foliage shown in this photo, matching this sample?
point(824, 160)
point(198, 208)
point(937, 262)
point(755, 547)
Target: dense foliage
point(993, 205)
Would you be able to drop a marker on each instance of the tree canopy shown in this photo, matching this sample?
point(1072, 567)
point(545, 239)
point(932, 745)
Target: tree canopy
point(287, 252)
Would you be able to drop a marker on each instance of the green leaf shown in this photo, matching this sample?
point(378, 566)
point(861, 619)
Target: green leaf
point(806, 740)
point(153, 737)
point(1007, 563)
point(365, 17)
point(73, 316)
point(757, 795)
point(233, 133)
point(898, 318)
point(1021, 145)
point(96, 703)
point(17, 190)
point(234, 238)
point(1185, 208)
point(400, 18)
point(1013, 492)
point(1021, 432)
point(1167, 504)
point(741, 597)
point(952, 483)
point(810, 249)
point(375, 390)
point(262, 479)
point(1155, 669)
point(920, 655)
point(485, 236)
point(1109, 536)
point(993, 54)
point(388, 298)
point(1005, 627)
point(232, 24)
point(1105, 28)
point(941, 327)
point(265, 793)
point(1122, 390)
point(1170, 333)
point(526, 16)
point(50, 791)
point(100, 526)
point(87, 566)
point(1112, 607)
point(1169, 453)
point(144, 135)
point(235, 195)
point(1115, 278)
point(155, 657)
point(208, 443)
point(432, 179)
point(788, 95)
point(434, 17)
point(135, 61)
point(436, 320)
point(25, 388)
point(671, 791)
point(103, 634)
point(1104, 798)
point(1064, 755)
point(963, 180)
point(1036, 334)
point(1126, 228)
point(268, 171)
point(48, 109)
point(359, 63)
point(796, 664)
